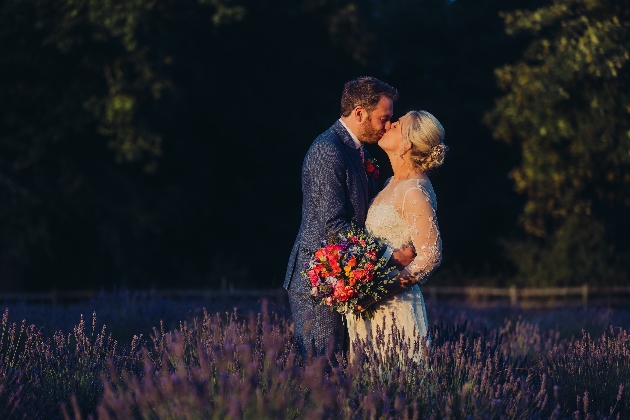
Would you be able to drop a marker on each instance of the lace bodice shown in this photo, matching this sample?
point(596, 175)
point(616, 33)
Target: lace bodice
point(403, 213)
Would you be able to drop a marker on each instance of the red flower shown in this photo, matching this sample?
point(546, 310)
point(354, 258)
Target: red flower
point(371, 168)
point(312, 275)
point(358, 274)
point(333, 252)
point(343, 293)
point(333, 249)
point(336, 268)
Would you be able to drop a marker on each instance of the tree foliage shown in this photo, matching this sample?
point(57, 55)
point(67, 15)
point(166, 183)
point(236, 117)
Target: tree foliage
point(160, 143)
point(567, 105)
point(82, 89)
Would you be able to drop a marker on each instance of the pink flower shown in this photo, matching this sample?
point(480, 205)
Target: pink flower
point(329, 301)
point(312, 275)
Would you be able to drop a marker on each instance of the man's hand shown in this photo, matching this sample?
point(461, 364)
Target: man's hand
point(402, 257)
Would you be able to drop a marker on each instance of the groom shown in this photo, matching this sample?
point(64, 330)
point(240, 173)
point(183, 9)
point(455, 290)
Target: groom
point(336, 192)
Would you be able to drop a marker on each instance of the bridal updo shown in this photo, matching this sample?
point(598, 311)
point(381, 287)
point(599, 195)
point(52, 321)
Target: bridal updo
point(426, 135)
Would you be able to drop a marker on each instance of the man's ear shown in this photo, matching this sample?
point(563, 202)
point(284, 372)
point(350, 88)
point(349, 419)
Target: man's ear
point(359, 113)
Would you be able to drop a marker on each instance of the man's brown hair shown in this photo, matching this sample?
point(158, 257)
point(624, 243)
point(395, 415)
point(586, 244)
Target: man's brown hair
point(365, 92)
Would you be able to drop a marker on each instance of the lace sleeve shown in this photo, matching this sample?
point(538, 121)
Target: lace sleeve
point(418, 211)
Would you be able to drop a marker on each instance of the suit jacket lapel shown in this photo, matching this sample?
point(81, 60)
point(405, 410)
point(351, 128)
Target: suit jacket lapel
point(355, 156)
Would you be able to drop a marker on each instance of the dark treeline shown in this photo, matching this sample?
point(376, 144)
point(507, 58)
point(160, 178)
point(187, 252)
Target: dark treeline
point(159, 144)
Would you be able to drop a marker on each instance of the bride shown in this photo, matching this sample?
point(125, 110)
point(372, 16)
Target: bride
point(402, 214)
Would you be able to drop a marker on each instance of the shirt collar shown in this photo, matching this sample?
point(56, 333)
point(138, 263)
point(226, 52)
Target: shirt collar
point(357, 143)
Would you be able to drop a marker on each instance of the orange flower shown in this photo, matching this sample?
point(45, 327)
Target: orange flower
point(320, 270)
point(320, 255)
point(352, 262)
point(358, 274)
point(335, 267)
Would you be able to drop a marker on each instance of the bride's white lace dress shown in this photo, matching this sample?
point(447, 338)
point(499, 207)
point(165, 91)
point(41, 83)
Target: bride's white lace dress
point(403, 213)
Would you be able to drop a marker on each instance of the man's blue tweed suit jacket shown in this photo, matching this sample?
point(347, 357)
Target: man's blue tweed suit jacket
point(336, 191)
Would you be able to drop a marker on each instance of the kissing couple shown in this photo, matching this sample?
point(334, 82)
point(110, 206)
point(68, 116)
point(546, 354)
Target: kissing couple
point(340, 189)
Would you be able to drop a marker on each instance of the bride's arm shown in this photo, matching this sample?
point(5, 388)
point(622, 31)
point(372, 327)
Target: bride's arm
point(425, 234)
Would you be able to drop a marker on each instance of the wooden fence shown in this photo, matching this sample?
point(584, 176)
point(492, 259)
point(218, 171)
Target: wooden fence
point(484, 296)
point(584, 295)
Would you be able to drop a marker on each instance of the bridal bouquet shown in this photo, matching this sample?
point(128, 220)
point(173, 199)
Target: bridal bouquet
point(348, 269)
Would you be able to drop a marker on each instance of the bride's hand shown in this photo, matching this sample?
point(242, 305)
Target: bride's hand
point(363, 304)
point(402, 257)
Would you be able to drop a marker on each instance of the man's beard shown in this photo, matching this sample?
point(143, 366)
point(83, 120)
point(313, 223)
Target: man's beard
point(367, 133)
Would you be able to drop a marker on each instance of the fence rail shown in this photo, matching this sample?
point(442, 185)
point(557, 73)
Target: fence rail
point(533, 297)
point(517, 297)
point(76, 295)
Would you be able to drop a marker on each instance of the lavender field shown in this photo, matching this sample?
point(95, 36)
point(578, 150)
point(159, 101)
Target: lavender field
point(130, 355)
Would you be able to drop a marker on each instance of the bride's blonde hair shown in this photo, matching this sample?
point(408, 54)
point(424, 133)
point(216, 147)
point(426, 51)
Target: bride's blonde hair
point(426, 135)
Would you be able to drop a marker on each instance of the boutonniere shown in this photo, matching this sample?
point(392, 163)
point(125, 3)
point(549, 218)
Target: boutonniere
point(371, 168)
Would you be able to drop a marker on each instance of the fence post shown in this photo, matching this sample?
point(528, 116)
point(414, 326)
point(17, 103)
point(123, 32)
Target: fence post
point(513, 296)
point(585, 295)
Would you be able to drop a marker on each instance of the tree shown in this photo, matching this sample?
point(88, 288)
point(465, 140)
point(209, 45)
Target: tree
point(566, 106)
point(78, 132)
